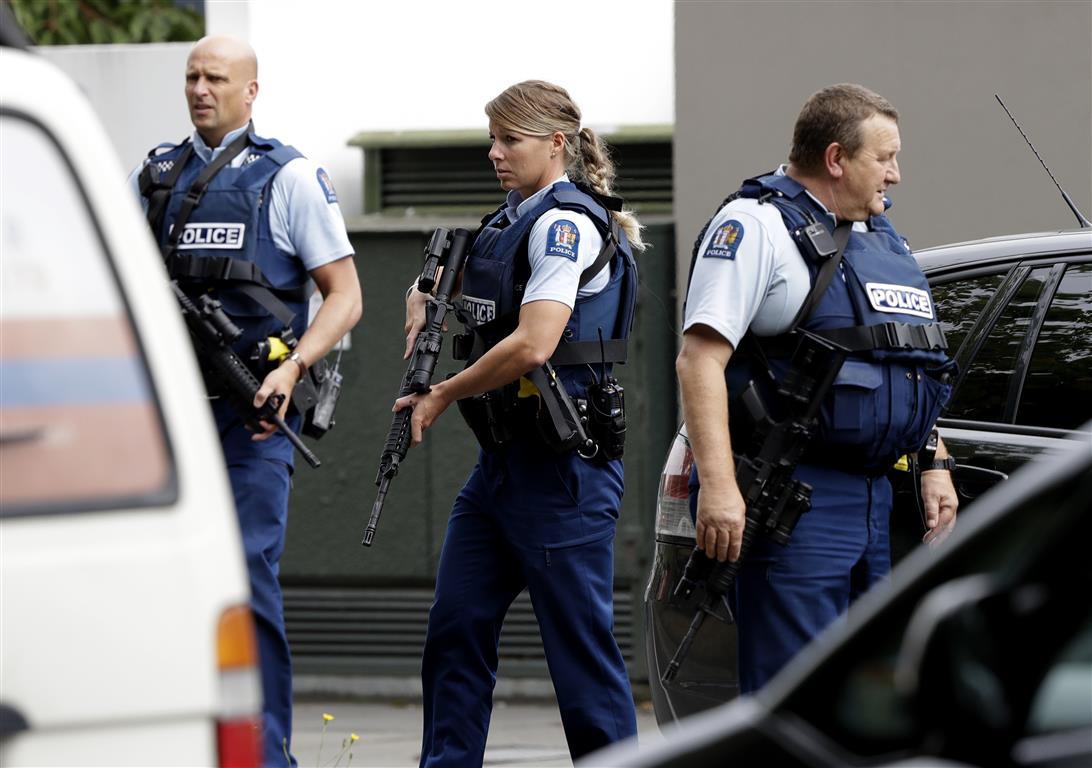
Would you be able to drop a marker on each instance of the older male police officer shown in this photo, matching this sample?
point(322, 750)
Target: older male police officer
point(752, 274)
point(267, 222)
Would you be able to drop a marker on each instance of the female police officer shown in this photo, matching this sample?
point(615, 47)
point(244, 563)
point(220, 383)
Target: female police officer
point(550, 274)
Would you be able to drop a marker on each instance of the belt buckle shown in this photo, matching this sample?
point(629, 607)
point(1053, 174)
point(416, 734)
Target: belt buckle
point(898, 336)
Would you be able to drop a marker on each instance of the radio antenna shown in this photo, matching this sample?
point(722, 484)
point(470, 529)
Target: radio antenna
point(1085, 223)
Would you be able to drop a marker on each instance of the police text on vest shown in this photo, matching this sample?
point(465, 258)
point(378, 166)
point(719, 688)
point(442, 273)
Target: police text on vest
point(211, 234)
point(899, 299)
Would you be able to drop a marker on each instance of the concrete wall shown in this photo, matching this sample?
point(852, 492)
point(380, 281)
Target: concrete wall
point(329, 69)
point(136, 91)
point(744, 69)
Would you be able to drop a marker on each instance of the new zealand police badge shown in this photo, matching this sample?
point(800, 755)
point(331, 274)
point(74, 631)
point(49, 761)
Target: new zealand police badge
point(725, 241)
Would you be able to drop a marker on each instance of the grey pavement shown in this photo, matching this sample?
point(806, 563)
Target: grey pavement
point(522, 734)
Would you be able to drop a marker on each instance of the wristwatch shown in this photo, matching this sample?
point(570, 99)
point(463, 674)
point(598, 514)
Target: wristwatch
point(929, 451)
point(297, 358)
point(947, 463)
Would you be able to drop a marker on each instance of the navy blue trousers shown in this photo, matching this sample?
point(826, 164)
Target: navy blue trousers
point(527, 519)
point(786, 595)
point(260, 476)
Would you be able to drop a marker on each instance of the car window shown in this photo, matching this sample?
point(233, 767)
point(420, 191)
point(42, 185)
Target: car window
point(959, 304)
point(983, 392)
point(1058, 386)
point(79, 426)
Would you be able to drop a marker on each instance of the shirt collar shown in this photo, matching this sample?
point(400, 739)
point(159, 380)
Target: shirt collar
point(860, 226)
point(208, 155)
point(516, 206)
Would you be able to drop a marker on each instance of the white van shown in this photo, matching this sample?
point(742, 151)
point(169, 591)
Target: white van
point(125, 637)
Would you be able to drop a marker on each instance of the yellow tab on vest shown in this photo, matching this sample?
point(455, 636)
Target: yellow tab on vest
point(903, 464)
point(527, 389)
point(278, 350)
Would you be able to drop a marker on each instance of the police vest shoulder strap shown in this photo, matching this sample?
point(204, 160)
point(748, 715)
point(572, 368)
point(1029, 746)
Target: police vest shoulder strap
point(522, 269)
point(158, 191)
point(257, 286)
point(610, 350)
point(826, 274)
point(606, 253)
point(609, 202)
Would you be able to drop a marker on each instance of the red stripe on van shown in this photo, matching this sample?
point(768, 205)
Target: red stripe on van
point(63, 454)
point(66, 337)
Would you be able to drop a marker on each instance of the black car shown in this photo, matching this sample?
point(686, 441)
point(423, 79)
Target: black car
point(1017, 312)
point(975, 653)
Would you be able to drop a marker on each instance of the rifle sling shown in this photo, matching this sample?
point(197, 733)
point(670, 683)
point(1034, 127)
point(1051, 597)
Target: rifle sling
point(251, 280)
point(201, 183)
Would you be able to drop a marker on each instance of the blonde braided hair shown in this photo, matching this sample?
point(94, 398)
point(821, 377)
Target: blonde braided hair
point(539, 108)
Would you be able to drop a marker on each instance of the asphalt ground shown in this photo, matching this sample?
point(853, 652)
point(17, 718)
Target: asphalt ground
point(522, 733)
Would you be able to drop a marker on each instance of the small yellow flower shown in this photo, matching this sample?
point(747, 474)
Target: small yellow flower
point(353, 737)
point(327, 717)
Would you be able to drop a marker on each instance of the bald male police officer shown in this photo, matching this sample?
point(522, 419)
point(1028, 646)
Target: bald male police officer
point(268, 221)
point(750, 279)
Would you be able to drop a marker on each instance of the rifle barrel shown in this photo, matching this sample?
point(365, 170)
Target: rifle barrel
point(377, 510)
point(684, 647)
point(308, 455)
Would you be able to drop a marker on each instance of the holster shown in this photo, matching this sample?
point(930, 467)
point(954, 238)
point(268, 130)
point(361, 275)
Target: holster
point(490, 416)
point(318, 393)
point(560, 424)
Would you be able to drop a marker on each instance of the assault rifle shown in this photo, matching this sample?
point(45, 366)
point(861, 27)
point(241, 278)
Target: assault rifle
point(775, 501)
point(213, 333)
point(446, 249)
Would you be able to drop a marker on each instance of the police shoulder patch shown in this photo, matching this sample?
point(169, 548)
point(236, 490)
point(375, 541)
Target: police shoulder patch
point(563, 239)
point(326, 185)
point(725, 241)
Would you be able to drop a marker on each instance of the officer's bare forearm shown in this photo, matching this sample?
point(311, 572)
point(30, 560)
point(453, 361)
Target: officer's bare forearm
point(700, 367)
point(942, 450)
point(541, 324)
point(342, 306)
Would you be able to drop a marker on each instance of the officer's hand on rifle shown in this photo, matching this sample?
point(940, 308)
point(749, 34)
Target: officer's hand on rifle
point(415, 317)
point(427, 407)
point(280, 381)
point(721, 517)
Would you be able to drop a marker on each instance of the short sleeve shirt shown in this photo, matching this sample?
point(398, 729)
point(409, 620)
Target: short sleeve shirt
point(562, 244)
point(748, 274)
point(305, 218)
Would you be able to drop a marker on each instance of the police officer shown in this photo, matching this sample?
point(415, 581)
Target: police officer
point(549, 274)
point(268, 221)
point(751, 277)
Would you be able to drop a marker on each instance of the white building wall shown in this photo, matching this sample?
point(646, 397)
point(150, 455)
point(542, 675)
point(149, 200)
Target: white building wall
point(329, 69)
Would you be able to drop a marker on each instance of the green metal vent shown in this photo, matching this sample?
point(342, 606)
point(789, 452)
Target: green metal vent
point(446, 172)
point(381, 631)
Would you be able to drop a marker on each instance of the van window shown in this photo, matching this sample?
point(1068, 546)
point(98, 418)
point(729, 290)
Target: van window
point(79, 425)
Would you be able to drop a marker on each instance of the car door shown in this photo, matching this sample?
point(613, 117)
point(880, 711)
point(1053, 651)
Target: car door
point(1021, 332)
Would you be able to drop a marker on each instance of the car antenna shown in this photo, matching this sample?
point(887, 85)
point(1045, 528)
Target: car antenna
point(1085, 223)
